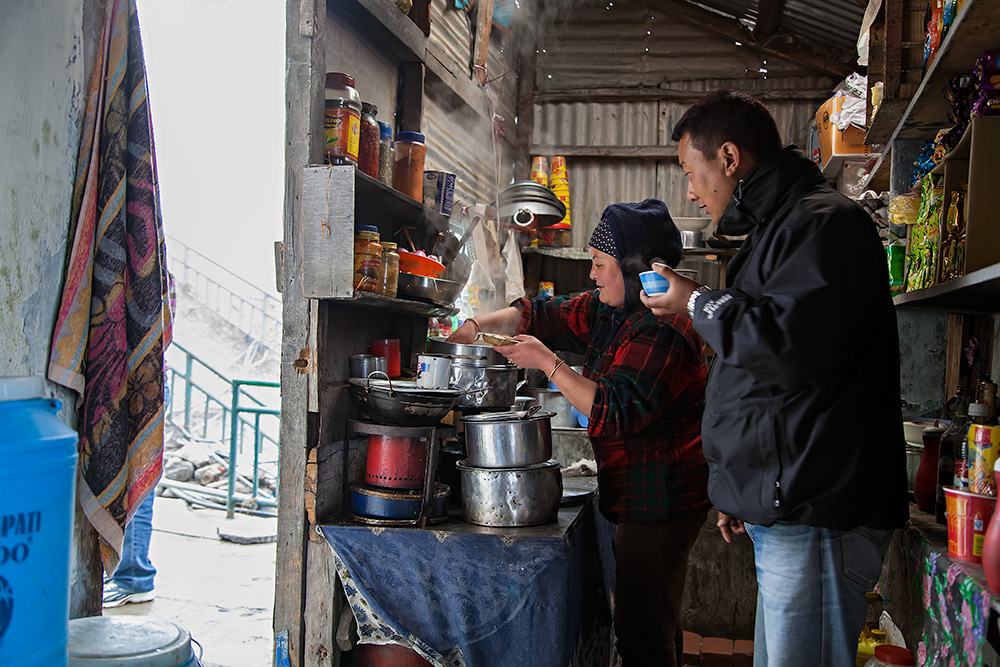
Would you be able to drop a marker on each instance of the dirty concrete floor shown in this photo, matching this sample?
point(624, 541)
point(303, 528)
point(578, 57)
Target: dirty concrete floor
point(220, 591)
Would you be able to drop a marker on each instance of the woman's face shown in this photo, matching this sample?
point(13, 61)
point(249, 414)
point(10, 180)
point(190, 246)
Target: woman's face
point(604, 270)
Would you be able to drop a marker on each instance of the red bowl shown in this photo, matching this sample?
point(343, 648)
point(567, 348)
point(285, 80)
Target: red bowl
point(410, 262)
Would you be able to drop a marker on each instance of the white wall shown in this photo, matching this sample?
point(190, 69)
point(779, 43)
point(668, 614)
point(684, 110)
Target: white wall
point(41, 98)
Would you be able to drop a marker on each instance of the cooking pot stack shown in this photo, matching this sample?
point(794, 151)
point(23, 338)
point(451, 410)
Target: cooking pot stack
point(509, 477)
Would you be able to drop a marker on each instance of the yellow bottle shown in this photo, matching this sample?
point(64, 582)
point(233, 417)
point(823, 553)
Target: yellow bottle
point(866, 646)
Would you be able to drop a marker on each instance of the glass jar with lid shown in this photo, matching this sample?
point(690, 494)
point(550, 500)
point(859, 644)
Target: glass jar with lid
point(390, 269)
point(369, 142)
point(342, 119)
point(367, 259)
point(385, 156)
point(408, 166)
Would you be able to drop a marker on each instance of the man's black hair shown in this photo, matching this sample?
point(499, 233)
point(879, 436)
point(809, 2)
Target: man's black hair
point(730, 115)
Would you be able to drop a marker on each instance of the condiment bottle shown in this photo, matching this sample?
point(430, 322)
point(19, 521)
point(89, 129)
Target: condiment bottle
point(367, 259)
point(385, 156)
point(390, 269)
point(342, 119)
point(369, 143)
point(408, 166)
point(983, 442)
point(950, 450)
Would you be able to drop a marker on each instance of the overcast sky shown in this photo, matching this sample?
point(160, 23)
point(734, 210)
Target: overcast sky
point(216, 82)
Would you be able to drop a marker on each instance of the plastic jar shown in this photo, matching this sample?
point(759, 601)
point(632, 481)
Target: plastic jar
point(369, 142)
point(408, 166)
point(887, 655)
point(367, 259)
point(390, 270)
point(385, 153)
point(342, 119)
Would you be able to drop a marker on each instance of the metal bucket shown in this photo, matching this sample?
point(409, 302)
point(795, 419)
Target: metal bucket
point(115, 641)
point(37, 491)
point(527, 496)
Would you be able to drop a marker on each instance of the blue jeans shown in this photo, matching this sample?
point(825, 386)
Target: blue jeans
point(811, 585)
point(135, 573)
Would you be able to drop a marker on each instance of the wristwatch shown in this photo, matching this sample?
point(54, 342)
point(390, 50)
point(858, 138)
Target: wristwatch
point(694, 297)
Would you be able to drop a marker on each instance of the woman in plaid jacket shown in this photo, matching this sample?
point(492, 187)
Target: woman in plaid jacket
point(643, 388)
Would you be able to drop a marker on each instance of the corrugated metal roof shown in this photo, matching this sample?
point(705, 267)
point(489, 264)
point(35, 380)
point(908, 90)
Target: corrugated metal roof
point(820, 22)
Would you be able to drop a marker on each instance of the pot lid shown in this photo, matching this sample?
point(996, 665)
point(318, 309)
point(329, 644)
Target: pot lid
point(506, 417)
point(534, 198)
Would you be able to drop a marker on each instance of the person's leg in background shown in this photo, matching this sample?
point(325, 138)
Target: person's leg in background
point(811, 592)
point(651, 565)
point(133, 580)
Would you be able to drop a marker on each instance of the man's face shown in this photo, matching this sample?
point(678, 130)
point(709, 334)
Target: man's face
point(710, 180)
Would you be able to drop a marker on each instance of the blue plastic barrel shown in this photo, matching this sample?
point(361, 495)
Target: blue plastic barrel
point(128, 641)
point(37, 488)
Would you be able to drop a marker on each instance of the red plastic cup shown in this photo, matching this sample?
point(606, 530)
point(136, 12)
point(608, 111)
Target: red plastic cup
point(388, 348)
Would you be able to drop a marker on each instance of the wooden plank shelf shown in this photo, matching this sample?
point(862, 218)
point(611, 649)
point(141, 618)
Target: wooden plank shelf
point(974, 293)
point(401, 306)
point(386, 24)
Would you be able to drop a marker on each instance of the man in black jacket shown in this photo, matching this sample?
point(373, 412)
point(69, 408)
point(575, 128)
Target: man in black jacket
point(802, 428)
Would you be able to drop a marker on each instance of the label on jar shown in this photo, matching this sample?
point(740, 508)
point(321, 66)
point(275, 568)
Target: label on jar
point(367, 273)
point(342, 131)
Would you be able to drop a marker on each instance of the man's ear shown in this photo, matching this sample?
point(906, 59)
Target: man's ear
point(731, 158)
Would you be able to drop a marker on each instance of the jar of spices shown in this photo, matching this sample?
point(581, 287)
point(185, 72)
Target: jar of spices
point(390, 269)
point(369, 144)
point(385, 153)
point(342, 119)
point(367, 259)
point(408, 166)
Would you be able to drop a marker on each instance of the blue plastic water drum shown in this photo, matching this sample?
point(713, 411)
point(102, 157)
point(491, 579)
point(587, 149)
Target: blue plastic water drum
point(37, 488)
point(128, 641)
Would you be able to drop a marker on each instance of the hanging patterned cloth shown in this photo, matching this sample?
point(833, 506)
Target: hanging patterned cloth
point(113, 321)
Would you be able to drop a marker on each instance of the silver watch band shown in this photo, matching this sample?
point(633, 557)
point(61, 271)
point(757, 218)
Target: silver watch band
point(694, 297)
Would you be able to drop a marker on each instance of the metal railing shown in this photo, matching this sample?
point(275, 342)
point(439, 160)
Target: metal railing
point(211, 399)
point(244, 305)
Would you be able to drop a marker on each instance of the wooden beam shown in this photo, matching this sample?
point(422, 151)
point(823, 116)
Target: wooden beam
point(420, 13)
point(525, 105)
point(733, 29)
point(768, 18)
point(666, 94)
point(609, 152)
point(411, 96)
point(893, 51)
point(484, 24)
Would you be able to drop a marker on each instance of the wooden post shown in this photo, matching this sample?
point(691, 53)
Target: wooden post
point(484, 24)
point(768, 18)
point(892, 52)
point(411, 96)
point(420, 13)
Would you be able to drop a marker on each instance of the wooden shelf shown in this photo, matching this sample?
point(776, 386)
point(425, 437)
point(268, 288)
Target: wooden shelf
point(388, 27)
point(975, 293)
point(401, 306)
point(978, 22)
point(558, 252)
point(378, 197)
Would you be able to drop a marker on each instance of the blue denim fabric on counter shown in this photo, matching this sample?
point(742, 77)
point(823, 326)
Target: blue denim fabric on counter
point(811, 592)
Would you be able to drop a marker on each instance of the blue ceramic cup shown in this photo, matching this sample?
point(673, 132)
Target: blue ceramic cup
point(653, 283)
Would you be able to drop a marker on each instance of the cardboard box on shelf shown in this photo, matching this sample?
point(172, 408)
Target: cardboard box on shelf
point(835, 144)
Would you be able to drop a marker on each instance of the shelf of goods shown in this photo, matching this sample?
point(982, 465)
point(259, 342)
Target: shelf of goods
point(335, 198)
point(974, 30)
point(974, 162)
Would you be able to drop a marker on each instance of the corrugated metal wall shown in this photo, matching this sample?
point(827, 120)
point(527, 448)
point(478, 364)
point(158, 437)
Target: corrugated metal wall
point(605, 51)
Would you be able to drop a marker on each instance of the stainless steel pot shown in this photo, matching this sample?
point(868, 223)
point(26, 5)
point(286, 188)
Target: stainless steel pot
point(526, 496)
point(489, 387)
point(490, 357)
point(508, 439)
point(553, 401)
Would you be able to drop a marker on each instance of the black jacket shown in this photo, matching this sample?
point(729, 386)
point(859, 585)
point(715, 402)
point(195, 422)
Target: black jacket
point(802, 420)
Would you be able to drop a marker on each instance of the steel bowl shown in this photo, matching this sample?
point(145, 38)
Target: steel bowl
point(528, 496)
point(438, 291)
point(490, 357)
point(508, 439)
point(398, 404)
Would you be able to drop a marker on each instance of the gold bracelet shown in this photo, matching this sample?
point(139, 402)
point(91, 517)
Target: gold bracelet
point(475, 324)
point(555, 366)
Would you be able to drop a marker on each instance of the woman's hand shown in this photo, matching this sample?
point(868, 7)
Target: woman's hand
point(465, 334)
point(528, 353)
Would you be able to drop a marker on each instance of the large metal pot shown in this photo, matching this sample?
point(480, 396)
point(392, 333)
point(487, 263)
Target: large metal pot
point(402, 403)
point(507, 439)
point(484, 387)
point(527, 496)
point(553, 401)
point(490, 357)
